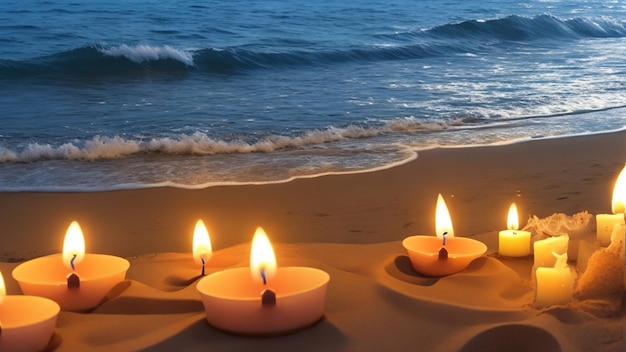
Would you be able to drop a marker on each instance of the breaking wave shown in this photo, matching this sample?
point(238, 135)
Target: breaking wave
point(448, 39)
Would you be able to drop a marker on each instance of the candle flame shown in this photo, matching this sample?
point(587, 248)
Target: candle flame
point(202, 250)
point(262, 257)
point(73, 246)
point(443, 223)
point(619, 193)
point(512, 222)
point(3, 290)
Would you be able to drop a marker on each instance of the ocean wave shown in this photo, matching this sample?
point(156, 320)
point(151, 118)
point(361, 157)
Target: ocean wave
point(95, 61)
point(520, 28)
point(106, 148)
point(448, 39)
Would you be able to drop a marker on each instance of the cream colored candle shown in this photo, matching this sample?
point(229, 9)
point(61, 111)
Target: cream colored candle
point(264, 300)
point(543, 250)
point(48, 276)
point(27, 322)
point(513, 242)
point(604, 226)
point(555, 285)
point(605, 222)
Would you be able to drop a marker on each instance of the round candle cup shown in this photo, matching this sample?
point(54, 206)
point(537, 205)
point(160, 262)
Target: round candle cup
point(28, 323)
point(47, 277)
point(232, 301)
point(424, 254)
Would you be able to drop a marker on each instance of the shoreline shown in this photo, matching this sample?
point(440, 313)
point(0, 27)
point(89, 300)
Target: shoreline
point(411, 153)
point(542, 175)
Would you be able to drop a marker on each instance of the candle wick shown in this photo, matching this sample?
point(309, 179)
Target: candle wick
point(72, 262)
point(263, 276)
point(202, 259)
point(444, 238)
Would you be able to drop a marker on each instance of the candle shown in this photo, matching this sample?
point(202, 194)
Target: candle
point(75, 280)
point(543, 250)
point(605, 222)
point(202, 250)
point(443, 254)
point(618, 240)
point(265, 299)
point(26, 322)
point(555, 285)
point(513, 242)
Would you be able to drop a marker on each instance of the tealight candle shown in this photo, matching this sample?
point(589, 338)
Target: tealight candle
point(543, 250)
point(555, 285)
point(264, 300)
point(75, 280)
point(605, 222)
point(513, 242)
point(26, 322)
point(201, 245)
point(443, 254)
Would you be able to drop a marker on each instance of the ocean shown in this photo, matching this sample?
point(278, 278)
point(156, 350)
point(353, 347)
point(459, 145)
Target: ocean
point(103, 95)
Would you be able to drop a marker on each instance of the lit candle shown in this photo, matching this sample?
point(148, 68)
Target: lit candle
point(202, 250)
point(555, 285)
point(26, 322)
point(264, 299)
point(443, 254)
point(543, 250)
point(75, 280)
point(605, 222)
point(513, 242)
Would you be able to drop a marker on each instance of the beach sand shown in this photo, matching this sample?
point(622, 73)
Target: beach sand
point(350, 226)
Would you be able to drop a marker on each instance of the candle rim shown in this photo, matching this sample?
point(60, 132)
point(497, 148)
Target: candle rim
point(51, 310)
point(408, 244)
point(122, 265)
point(322, 280)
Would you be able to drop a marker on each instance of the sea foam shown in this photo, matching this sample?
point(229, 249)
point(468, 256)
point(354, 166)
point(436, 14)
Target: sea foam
point(142, 53)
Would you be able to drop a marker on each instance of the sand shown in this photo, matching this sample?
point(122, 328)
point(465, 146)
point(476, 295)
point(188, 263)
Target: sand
point(350, 226)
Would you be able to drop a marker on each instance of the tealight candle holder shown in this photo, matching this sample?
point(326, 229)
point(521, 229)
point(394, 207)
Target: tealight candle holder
point(75, 280)
point(443, 254)
point(424, 254)
point(264, 300)
point(26, 322)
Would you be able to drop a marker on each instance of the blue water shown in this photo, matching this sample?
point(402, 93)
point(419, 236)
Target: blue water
point(128, 94)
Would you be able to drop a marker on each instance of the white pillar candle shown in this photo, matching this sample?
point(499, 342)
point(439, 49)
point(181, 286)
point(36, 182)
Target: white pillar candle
point(513, 242)
point(604, 226)
point(555, 285)
point(543, 250)
point(605, 222)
